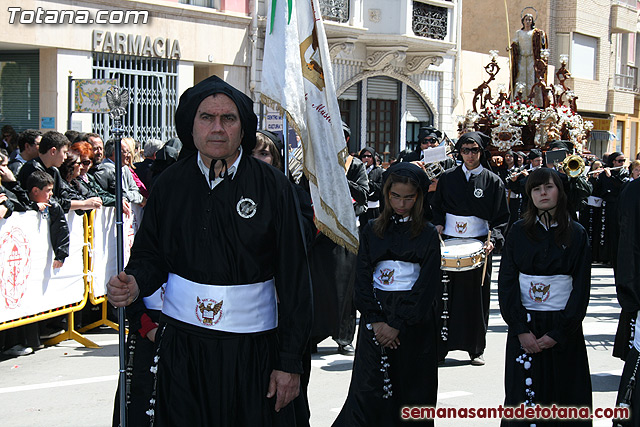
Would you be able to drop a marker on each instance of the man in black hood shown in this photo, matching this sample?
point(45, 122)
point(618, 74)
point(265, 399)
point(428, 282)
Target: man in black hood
point(222, 232)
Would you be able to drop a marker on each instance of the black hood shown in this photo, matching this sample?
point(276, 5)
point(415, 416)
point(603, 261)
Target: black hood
point(191, 99)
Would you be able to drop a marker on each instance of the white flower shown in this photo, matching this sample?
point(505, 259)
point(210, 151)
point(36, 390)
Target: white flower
point(156, 359)
point(154, 369)
point(528, 381)
point(150, 412)
point(527, 365)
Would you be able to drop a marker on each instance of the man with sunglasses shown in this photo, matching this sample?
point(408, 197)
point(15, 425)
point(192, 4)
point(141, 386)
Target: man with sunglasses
point(469, 201)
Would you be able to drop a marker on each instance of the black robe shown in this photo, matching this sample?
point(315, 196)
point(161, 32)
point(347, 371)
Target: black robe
point(207, 377)
point(560, 374)
point(628, 285)
point(468, 301)
point(333, 271)
point(413, 370)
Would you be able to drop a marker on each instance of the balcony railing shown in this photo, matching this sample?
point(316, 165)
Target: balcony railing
point(429, 21)
point(628, 80)
point(335, 10)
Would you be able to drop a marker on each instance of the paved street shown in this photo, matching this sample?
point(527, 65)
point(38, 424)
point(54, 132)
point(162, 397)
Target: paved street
point(69, 385)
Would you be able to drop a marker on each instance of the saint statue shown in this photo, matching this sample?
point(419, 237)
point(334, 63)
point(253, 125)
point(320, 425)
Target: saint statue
point(528, 66)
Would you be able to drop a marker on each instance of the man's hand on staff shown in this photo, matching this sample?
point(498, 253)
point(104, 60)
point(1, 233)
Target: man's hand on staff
point(122, 290)
point(284, 386)
point(488, 247)
point(439, 228)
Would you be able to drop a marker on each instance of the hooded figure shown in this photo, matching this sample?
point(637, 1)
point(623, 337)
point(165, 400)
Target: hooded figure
point(237, 303)
point(191, 99)
point(425, 134)
point(483, 142)
point(374, 173)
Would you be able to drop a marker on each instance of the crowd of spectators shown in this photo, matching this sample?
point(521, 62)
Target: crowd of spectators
point(54, 173)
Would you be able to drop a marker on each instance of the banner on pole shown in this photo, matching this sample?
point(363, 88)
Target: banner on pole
point(297, 78)
point(90, 95)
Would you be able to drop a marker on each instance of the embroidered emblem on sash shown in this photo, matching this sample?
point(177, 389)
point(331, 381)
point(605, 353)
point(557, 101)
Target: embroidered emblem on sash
point(208, 311)
point(461, 227)
point(246, 207)
point(539, 292)
point(386, 276)
point(478, 192)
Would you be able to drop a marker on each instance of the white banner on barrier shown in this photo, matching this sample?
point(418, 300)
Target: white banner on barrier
point(104, 245)
point(28, 283)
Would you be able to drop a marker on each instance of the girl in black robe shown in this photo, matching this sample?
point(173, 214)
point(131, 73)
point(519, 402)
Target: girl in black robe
point(546, 357)
point(396, 359)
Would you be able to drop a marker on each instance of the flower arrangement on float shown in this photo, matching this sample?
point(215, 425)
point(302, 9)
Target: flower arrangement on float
point(516, 122)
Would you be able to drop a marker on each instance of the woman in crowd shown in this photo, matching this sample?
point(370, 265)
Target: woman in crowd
point(397, 279)
point(128, 153)
point(543, 289)
point(85, 184)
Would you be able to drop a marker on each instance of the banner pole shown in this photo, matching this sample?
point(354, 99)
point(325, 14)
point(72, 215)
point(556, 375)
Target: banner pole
point(118, 100)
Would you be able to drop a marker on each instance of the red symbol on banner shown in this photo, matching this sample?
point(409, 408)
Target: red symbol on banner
point(15, 265)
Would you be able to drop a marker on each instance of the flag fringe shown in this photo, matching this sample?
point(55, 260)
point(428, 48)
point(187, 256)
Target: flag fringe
point(353, 244)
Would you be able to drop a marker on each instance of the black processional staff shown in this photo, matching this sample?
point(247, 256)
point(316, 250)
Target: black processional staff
point(117, 100)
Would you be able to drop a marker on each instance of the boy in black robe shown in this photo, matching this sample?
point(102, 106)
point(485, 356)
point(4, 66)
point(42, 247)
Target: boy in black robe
point(466, 195)
point(220, 225)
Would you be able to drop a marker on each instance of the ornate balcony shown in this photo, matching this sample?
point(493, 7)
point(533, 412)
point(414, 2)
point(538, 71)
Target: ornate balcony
point(430, 21)
point(335, 10)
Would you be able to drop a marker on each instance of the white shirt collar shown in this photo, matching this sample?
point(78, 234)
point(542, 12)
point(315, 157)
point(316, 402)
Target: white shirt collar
point(553, 224)
point(468, 173)
point(231, 170)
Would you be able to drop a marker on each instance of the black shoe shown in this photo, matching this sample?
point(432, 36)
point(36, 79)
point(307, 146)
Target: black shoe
point(477, 359)
point(346, 350)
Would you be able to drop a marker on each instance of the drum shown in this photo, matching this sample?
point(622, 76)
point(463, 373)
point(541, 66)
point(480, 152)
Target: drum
point(461, 254)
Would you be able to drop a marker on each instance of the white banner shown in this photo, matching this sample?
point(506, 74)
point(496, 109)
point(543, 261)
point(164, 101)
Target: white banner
point(297, 77)
point(104, 245)
point(28, 283)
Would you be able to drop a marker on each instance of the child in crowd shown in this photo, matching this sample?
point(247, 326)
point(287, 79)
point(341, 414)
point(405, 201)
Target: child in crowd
point(40, 189)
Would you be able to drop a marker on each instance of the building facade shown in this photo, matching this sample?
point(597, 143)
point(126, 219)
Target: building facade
point(599, 39)
point(156, 49)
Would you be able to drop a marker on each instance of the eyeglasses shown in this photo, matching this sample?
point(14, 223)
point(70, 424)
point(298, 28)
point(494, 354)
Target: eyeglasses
point(364, 156)
point(474, 150)
point(620, 160)
point(430, 141)
point(77, 163)
point(86, 162)
point(399, 198)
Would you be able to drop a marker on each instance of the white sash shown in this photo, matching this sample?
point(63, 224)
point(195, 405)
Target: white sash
point(154, 301)
point(392, 275)
point(236, 308)
point(465, 226)
point(594, 201)
point(373, 204)
point(545, 293)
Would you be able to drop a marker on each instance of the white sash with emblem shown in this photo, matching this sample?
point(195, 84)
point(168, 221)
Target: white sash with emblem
point(155, 300)
point(465, 226)
point(392, 275)
point(236, 308)
point(545, 293)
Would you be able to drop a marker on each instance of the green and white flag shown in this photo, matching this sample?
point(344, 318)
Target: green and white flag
point(297, 78)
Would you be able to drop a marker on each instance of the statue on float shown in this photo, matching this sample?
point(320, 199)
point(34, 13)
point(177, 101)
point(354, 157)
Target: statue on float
point(527, 57)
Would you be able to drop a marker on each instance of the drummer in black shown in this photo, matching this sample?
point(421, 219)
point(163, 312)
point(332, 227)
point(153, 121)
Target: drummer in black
point(470, 200)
